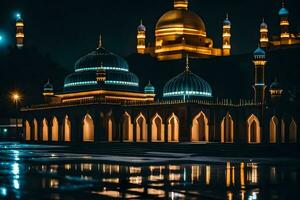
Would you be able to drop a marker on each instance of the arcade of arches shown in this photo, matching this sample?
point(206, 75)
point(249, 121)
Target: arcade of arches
point(161, 129)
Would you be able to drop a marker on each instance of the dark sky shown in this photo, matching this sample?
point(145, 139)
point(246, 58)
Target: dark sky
point(68, 29)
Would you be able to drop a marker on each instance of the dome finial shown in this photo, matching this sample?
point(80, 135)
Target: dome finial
point(100, 41)
point(283, 4)
point(141, 21)
point(187, 64)
point(227, 16)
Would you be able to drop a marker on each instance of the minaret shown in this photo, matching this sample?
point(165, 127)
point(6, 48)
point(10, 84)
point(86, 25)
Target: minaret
point(284, 23)
point(276, 91)
point(264, 35)
point(226, 37)
point(19, 32)
point(181, 4)
point(141, 39)
point(259, 86)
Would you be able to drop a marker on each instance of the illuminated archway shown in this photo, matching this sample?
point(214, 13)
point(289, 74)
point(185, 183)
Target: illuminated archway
point(45, 130)
point(35, 130)
point(273, 129)
point(54, 129)
point(282, 131)
point(227, 129)
point(293, 132)
point(173, 128)
point(157, 129)
point(88, 129)
point(110, 130)
point(27, 130)
point(127, 128)
point(200, 129)
point(141, 128)
point(67, 129)
point(254, 131)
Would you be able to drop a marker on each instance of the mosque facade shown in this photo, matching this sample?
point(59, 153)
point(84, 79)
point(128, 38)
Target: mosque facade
point(102, 100)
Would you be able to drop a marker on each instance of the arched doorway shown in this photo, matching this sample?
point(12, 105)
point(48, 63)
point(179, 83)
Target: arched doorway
point(127, 128)
point(36, 130)
point(173, 128)
point(253, 130)
point(88, 129)
point(200, 129)
point(273, 129)
point(27, 131)
point(293, 132)
point(67, 129)
point(54, 129)
point(157, 129)
point(282, 131)
point(141, 128)
point(227, 129)
point(45, 130)
point(110, 130)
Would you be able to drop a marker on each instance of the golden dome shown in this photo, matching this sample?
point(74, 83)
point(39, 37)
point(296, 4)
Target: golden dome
point(180, 18)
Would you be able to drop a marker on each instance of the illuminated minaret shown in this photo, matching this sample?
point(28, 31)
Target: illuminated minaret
point(259, 86)
point(284, 23)
point(19, 32)
point(181, 4)
point(264, 35)
point(226, 37)
point(141, 38)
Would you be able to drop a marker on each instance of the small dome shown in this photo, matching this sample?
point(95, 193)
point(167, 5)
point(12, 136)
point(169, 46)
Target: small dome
point(227, 22)
point(263, 25)
point(275, 85)
point(283, 12)
point(259, 52)
point(101, 58)
point(187, 85)
point(180, 18)
point(141, 27)
point(149, 88)
point(48, 87)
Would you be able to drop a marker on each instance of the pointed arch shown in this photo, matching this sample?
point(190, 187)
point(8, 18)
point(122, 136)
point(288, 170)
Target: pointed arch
point(173, 128)
point(282, 131)
point(273, 127)
point(254, 131)
point(27, 131)
point(200, 129)
point(54, 129)
point(45, 130)
point(127, 128)
point(67, 129)
point(227, 129)
point(88, 128)
point(110, 129)
point(35, 130)
point(157, 129)
point(293, 132)
point(141, 128)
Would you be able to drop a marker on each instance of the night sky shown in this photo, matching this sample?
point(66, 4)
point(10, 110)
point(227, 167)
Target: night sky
point(68, 29)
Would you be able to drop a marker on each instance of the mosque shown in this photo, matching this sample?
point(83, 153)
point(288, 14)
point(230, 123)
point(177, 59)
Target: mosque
point(102, 100)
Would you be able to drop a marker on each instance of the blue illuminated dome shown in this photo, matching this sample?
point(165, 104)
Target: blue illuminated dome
point(149, 88)
point(187, 85)
point(275, 85)
point(283, 12)
point(259, 52)
point(117, 75)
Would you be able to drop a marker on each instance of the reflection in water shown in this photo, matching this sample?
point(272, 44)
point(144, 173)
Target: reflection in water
point(230, 180)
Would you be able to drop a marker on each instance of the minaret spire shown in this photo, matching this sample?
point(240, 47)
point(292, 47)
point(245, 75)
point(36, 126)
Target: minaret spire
point(100, 41)
point(187, 63)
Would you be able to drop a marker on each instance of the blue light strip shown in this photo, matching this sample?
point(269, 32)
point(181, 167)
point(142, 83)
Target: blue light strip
point(83, 83)
point(121, 83)
point(99, 68)
point(188, 93)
